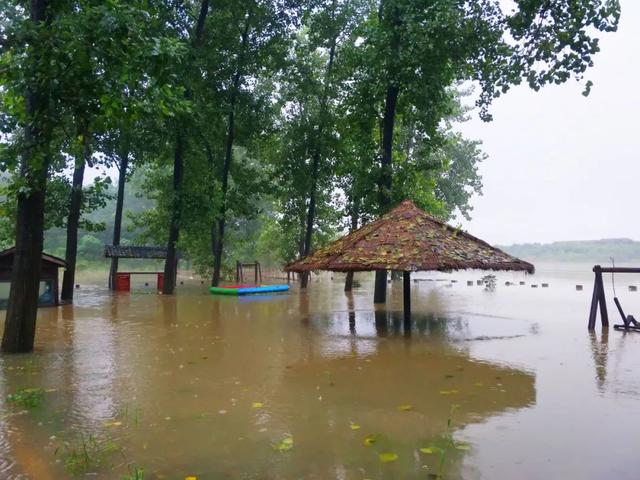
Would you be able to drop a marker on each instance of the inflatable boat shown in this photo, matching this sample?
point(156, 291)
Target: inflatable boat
point(247, 289)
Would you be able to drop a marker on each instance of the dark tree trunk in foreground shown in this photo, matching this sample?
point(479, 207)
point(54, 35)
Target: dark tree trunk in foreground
point(218, 245)
point(73, 220)
point(20, 324)
point(171, 261)
point(385, 184)
point(117, 224)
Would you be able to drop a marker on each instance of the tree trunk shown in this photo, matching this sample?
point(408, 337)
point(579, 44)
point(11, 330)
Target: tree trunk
point(355, 217)
point(221, 222)
point(117, 224)
point(171, 261)
point(20, 324)
point(73, 220)
point(228, 156)
point(385, 182)
point(315, 164)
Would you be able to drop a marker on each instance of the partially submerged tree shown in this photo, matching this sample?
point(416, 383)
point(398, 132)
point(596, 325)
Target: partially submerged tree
point(41, 66)
point(413, 52)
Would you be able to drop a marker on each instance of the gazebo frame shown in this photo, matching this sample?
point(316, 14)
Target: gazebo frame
point(407, 239)
point(598, 300)
point(115, 252)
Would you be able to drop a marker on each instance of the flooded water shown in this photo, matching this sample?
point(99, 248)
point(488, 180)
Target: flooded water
point(481, 385)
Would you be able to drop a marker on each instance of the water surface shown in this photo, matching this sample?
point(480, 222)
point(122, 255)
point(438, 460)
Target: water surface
point(503, 384)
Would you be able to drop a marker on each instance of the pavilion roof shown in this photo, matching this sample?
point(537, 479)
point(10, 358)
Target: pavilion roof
point(408, 239)
point(45, 256)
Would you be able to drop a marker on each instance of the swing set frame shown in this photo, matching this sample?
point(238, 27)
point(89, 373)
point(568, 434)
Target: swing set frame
point(599, 300)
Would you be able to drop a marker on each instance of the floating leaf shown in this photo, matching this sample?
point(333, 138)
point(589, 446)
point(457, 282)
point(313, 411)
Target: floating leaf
point(257, 405)
point(112, 424)
point(388, 457)
point(404, 408)
point(355, 426)
point(463, 446)
point(284, 445)
point(369, 440)
point(191, 477)
point(448, 392)
point(427, 450)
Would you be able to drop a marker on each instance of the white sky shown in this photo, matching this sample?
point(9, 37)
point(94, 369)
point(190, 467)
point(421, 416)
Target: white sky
point(562, 166)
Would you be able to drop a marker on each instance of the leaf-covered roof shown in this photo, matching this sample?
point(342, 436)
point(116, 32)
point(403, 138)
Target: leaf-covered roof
point(408, 239)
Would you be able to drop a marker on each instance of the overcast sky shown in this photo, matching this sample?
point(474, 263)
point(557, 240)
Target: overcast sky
point(562, 166)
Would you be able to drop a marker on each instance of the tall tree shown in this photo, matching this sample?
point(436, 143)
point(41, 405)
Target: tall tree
point(20, 324)
point(254, 48)
point(73, 220)
point(320, 127)
point(56, 75)
point(123, 168)
point(180, 145)
point(218, 239)
point(415, 51)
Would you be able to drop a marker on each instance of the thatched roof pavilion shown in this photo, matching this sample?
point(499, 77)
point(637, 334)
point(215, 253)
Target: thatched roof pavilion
point(408, 239)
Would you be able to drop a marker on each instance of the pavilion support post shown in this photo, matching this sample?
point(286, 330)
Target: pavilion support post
point(406, 293)
point(380, 292)
point(348, 283)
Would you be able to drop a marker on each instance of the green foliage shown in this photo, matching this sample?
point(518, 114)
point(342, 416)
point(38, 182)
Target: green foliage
point(135, 473)
point(27, 397)
point(90, 248)
point(306, 84)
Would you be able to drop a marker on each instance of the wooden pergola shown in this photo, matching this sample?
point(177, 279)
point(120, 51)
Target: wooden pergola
point(115, 252)
point(408, 239)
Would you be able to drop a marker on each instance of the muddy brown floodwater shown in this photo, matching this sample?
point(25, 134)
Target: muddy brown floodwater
point(318, 385)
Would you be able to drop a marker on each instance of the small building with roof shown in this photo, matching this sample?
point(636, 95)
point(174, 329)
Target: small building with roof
point(122, 280)
point(48, 295)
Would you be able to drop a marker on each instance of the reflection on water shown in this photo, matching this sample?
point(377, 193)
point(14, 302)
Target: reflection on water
point(211, 386)
point(600, 349)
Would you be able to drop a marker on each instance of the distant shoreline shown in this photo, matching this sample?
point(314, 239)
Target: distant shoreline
point(623, 250)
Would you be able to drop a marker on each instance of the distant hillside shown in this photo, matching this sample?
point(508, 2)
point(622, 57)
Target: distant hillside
point(596, 251)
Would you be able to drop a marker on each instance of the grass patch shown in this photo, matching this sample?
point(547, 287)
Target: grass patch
point(87, 453)
point(135, 473)
point(27, 397)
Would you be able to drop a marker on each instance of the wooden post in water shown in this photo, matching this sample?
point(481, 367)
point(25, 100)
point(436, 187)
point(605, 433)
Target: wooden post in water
point(406, 293)
point(598, 298)
point(604, 317)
